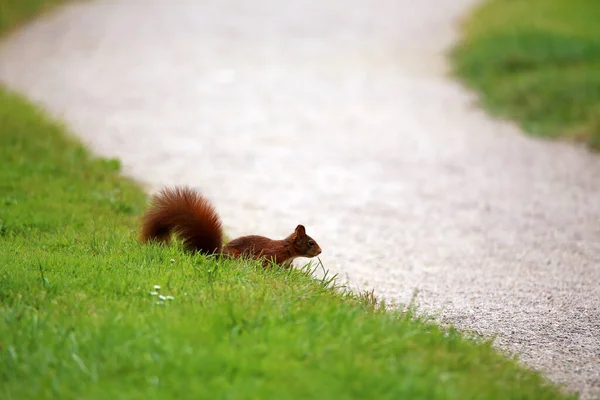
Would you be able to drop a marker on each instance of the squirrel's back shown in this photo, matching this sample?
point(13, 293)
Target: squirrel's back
point(186, 213)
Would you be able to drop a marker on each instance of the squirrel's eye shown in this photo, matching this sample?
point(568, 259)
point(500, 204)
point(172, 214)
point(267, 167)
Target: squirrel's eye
point(311, 243)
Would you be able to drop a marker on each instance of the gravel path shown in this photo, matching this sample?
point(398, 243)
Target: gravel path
point(341, 118)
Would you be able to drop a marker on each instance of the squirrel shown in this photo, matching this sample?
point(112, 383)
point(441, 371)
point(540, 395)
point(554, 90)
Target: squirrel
point(188, 214)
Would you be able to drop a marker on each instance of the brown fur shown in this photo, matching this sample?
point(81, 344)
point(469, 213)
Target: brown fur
point(188, 214)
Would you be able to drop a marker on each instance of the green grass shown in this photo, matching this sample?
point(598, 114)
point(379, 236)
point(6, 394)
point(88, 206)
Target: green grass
point(77, 319)
point(537, 62)
point(14, 12)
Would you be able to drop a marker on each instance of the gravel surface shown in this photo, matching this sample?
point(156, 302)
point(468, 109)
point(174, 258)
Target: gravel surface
point(341, 117)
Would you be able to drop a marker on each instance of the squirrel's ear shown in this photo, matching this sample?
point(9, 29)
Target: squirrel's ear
point(300, 231)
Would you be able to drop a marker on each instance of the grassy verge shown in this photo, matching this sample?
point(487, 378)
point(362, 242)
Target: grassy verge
point(77, 319)
point(537, 62)
point(14, 12)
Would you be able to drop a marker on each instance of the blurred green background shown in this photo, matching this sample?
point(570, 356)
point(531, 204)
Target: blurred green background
point(13, 12)
point(536, 62)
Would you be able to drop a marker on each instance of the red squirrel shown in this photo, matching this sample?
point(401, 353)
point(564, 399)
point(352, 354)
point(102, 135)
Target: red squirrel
point(185, 212)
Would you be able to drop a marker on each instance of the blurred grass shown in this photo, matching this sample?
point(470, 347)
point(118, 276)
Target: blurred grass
point(537, 62)
point(14, 12)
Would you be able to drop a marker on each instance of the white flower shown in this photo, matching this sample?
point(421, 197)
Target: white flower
point(156, 287)
point(153, 293)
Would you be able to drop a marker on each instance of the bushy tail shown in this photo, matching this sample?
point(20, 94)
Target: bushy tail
point(186, 213)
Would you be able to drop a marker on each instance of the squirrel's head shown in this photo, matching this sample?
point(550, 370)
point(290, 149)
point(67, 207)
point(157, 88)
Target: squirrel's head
point(304, 245)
